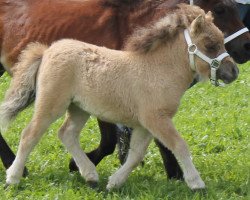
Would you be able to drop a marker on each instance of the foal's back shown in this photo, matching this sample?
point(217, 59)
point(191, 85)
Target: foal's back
point(95, 78)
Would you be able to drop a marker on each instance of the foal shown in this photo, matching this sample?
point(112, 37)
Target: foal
point(140, 87)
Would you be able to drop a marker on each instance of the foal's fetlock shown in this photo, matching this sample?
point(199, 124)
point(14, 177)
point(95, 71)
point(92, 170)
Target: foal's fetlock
point(92, 184)
point(115, 182)
point(195, 182)
point(92, 179)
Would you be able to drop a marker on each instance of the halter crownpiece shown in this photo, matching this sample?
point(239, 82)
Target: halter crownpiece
point(191, 2)
point(213, 63)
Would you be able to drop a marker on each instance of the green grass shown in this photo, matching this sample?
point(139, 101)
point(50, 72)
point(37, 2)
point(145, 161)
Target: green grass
point(215, 122)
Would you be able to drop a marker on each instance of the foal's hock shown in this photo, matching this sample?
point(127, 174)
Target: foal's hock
point(153, 72)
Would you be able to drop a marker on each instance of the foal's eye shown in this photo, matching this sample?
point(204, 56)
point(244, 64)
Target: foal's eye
point(212, 47)
point(219, 10)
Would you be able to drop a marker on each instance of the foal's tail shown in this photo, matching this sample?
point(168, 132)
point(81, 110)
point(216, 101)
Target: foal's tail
point(21, 92)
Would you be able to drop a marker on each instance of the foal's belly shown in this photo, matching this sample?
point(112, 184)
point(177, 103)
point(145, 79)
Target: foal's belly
point(109, 112)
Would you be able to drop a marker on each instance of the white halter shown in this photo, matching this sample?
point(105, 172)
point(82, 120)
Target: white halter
point(214, 63)
point(235, 35)
point(230, 37)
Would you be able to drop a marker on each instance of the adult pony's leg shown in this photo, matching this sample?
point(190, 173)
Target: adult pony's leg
point(138, 146)
point(163, 129)
point(171, 165)
point(2, 70)
point(7, 155)
point(106, 147)
point(69, 135)
point(123, 139)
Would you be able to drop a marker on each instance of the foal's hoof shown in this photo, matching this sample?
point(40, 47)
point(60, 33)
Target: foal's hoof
point(202, 191)
point(92, 184)
point(196, 183)
point(6, 186)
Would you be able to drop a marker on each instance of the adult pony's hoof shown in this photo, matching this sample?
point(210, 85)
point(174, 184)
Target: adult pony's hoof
point(25, 172)
point(72, 166)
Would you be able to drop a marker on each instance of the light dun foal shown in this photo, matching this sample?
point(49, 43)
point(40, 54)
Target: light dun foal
point(140, 87)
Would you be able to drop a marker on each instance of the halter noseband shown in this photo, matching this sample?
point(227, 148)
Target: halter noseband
point(230, 37)
point(213, 63)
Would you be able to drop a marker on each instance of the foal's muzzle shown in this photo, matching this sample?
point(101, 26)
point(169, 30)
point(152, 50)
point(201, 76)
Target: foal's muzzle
point(228, 71)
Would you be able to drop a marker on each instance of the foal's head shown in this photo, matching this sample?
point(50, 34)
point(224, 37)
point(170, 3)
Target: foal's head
point(204, 34)
point(210, 41)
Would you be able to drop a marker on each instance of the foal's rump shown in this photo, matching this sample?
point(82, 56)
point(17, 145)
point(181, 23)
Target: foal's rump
point(69, 71)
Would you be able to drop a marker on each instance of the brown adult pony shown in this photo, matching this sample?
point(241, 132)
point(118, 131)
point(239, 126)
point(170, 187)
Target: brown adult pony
point(101, 22)
point(154, 72)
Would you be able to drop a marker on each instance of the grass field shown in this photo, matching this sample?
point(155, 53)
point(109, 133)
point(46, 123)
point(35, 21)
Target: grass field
point(214, 121)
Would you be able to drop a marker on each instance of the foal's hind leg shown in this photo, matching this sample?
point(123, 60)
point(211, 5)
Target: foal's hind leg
point(163, 129)
point(138, 146)
point(69, 135)
point(30, 137)
point(46, 112)
point(106, 147)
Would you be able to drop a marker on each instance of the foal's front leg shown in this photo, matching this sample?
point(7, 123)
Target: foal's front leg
point(138, 146)
point(163, 129)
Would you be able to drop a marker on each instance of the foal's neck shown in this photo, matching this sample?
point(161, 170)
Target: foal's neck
point(172, 58)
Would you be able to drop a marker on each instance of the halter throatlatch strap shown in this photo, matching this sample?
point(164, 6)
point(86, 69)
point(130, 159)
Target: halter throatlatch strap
point(213, 63)
point(235, 35)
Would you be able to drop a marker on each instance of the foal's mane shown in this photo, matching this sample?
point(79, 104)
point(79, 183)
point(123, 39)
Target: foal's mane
point(164, 30)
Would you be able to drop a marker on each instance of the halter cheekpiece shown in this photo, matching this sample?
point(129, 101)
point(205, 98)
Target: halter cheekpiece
point(214, 63)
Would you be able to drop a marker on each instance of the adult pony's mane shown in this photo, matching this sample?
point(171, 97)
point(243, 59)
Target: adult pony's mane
point(166, 29)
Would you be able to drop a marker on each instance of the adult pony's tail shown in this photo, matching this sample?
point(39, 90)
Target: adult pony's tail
point(21, 92)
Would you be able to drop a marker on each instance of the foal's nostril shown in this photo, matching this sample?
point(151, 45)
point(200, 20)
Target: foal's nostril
point(235, 71)
point(247, 46)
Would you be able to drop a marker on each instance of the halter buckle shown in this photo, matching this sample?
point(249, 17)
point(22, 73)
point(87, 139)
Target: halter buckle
point(215, 64)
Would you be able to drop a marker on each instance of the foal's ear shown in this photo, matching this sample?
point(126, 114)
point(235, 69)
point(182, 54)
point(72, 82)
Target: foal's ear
point(198, 24)
point(209, 16)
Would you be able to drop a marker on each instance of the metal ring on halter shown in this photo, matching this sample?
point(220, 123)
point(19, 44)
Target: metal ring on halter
point(192, 49)
point(215, 64)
